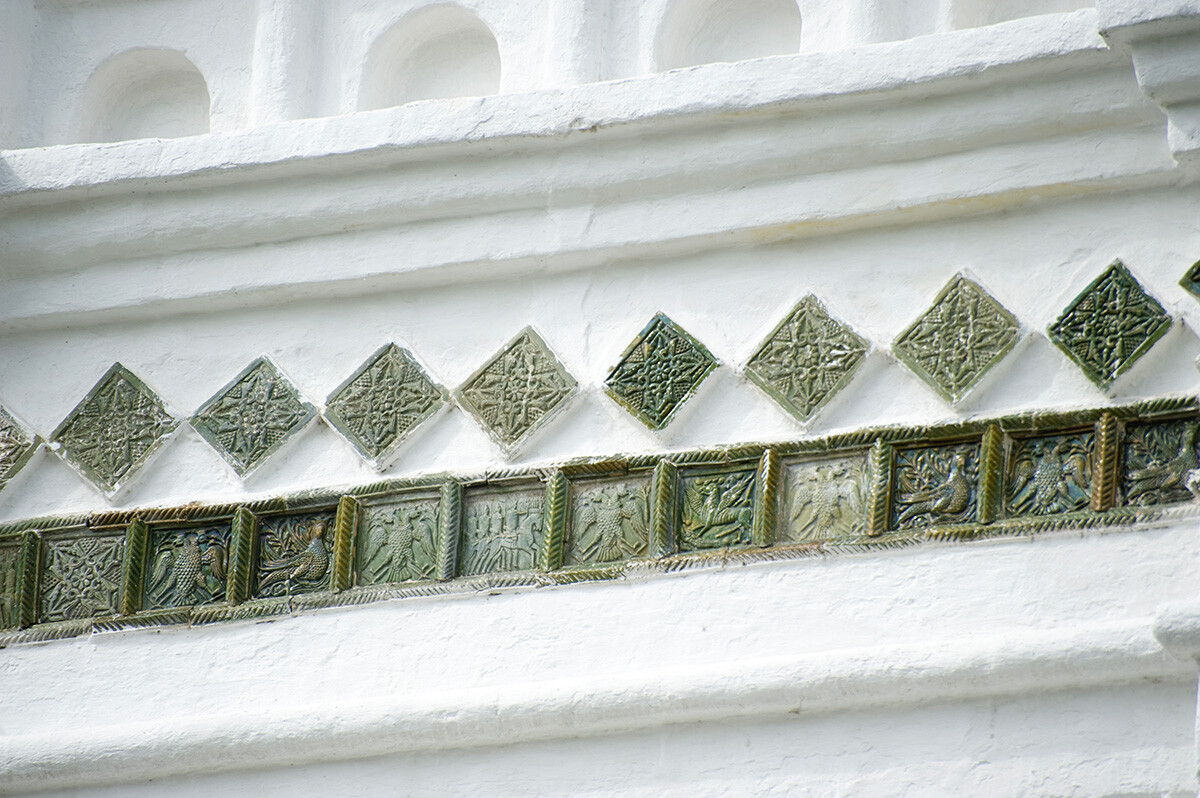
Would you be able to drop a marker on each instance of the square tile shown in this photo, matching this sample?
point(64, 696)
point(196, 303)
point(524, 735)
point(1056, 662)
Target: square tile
point(81, 577)
point(295, 554)
point(610, 521)
point(111, 434)
point(187, 567)
point(807, 359)
point(502, 531)
point(959, 339)
point(1110, 325)
point(382, 402)
point(1049, 474)
point(397, 541)
point(517, 391)
point(935, 485)
point(824, 499)
point(252, 416)
point(716, 510)
point(658, 372)
point(17, 445)
point(1158, 457)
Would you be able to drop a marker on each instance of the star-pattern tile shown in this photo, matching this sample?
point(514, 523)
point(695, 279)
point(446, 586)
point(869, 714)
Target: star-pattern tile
point(111, 434)
point(807, 359)
point(252, 416)
point(17, 445)
point(959, 339)
point(518, 390)
point(658, 372)
point(1110, 325)
point(382, 402)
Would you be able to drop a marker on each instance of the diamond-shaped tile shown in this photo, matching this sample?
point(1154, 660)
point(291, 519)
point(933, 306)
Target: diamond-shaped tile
point(17, 445)
point(252, 416)
point(658, 372)
point(114, 430)
point(518, 390)
point(1191, 280)
point(382, 402)
point(807, 359)
point(959, 339)
point(1108, 327)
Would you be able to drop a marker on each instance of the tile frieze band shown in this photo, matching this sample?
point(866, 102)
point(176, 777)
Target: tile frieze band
point(599, 518)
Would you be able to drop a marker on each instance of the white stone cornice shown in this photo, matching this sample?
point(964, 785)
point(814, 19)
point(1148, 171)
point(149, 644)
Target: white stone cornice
point(786, 147)
point(837, 681)
point(1163, 37)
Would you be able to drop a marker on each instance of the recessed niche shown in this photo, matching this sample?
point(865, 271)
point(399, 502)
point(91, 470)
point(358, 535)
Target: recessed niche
point(145, 93)
point(440, 51)
point(707, 31)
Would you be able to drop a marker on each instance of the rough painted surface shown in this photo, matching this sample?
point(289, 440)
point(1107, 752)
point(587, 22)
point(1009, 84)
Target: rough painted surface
point(1028, 154)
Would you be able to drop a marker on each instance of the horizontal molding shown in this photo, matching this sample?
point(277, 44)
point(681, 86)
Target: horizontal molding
point(720, 155)
point(962, 669)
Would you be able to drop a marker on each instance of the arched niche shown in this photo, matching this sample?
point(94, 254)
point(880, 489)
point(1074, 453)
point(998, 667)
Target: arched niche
point(438, 51)
point(145, 93)
point(707, 31)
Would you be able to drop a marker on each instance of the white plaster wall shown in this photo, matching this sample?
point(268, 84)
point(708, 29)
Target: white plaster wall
point(1025, 154)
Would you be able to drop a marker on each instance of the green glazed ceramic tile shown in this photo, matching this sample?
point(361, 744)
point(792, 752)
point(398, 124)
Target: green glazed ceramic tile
point(935, 485)
point(807, 359)
point(397, 542)
point(252, 416)
point(114, 430)
point(294, 554)
point(381, 403)
point(610, 521)
point(517, 391)
point(658, 372)
point(10, 566)
point(824, 500)
point(17, 445)
point(81, 577)
point(716, 510)
point(1108, 327)
point(1158, 458)
point(1191, 280)
point(187, 567)
point(501, 531)
point(959, 339)
point(1050, 474)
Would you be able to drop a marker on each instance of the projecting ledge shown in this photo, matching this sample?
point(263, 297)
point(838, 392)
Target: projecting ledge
point(1010, 664)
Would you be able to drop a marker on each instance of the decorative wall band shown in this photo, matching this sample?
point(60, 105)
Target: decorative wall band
point(243, 549)
point(450, 510)
point(766, 499)
point(1104, 481)
point(991, 474)
point(137, 544)
point(551, 556)
point(663, 487)
point(604, 518)
point(879, 500)
point(29, 567)
point(345, 528)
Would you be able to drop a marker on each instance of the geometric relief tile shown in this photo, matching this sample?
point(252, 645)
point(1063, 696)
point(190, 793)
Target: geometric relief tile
point(294, 554)
point(1158, 458)
point(397, 542)
point(9, 558)
point(807, 359)
point(610, 521)
point(81, 578)
point(377, 407)
point(959, 339)
point(824, 500)
point(187, 568)
point(114, 430)
point(658, 372)
point(17, 445)
point(252, 416)
point(935, 485)
point(1191, 280)
point(1049, 474)
point(1110, 325)
point(717, 510)
point(517, 391)
point(501, 532)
